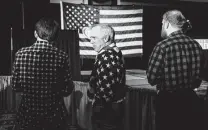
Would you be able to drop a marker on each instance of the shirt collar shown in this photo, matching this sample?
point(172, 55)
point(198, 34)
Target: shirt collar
point(105, 48)
point(43, 43)
point(176, 33)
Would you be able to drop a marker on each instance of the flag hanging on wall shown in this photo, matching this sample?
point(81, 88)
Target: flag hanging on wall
point(126, 21)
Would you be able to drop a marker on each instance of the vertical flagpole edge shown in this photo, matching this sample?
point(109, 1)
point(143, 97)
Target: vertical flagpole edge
point(11, 62)
point(23, 15)
point(62, 17)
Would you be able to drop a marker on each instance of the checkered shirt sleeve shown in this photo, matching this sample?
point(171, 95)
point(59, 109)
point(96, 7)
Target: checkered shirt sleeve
point(155, 65)
point(15, 75)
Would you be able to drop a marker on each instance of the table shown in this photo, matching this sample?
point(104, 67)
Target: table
point(140, 100)
point(139, 103)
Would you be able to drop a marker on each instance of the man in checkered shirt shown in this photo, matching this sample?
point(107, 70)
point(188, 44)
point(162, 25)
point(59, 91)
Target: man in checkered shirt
point(107, 80)
point(42, 73)
point(174, 68)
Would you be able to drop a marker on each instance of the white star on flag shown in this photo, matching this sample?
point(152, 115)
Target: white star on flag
point(104, 96)
point(98, 71)
point(108, 65)
point(102, 89)
point(104, 77)
point(105, 58)
point(111, 73)
point(108, 85)
point(99, 81)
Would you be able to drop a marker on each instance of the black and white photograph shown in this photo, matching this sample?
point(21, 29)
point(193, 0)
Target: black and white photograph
point(104, 65)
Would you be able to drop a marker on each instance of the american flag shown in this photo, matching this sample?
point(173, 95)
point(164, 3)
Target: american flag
point(126, 21)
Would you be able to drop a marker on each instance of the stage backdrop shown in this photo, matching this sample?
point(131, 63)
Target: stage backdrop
point(151, 27)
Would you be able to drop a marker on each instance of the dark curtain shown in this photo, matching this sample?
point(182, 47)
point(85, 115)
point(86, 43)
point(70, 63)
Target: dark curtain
point(67, 41)
point(140, 109)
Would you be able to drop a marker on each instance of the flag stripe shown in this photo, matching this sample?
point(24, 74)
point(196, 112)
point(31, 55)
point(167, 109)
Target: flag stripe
point(121, 36)
point(121, 16)
point(130, 35)
point(126, 56)
point(129, 31)
point(120, 20)
point(132, 43)
point(126, 28)
point(116, 40)
point(125, 52)
point(121, 12)
point(117, 33)
point(122, 48)
point(132, 51)
point(120, 44)
point(88, 52)
point(128, 39)
point(126, 24)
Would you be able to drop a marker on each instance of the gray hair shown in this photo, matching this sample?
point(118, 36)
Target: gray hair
point(107, 30)
point(175, 18)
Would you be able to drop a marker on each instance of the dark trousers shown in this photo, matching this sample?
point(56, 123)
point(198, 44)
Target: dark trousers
point(179, 110)
point(108, 116)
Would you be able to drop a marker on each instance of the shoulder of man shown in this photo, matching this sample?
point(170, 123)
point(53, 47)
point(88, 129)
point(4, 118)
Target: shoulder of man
point(22, 50)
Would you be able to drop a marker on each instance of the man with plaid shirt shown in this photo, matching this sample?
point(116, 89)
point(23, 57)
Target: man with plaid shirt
point(42, 73)
point(174, 67)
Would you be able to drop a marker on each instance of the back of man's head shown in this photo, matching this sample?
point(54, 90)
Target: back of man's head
point(175, 18)
point(47, 29)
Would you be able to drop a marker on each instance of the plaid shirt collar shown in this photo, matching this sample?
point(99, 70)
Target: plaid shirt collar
point(43, 43)
point(179, 32)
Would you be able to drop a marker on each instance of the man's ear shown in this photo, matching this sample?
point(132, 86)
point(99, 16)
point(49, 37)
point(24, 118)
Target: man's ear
point(106, 38)
point(35, 34)
point(168, 24)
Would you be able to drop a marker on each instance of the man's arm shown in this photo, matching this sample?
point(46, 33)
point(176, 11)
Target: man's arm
point(91, 90)
point(15, 84)
point(155, 65)
point(203, 67)
point(67, 76)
